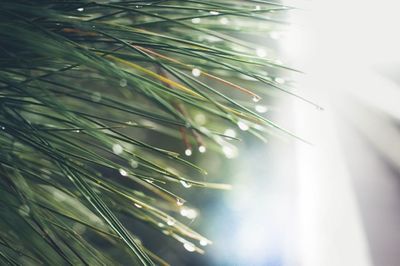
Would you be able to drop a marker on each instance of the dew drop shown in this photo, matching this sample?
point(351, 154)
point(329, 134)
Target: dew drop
point(196, 20)
point(138, 206)
point(257, 8)
point(81, 9)
point(261, 109)
point(123, 82)
point(243, 126)
point(2, 127)
point(188, 152)
point(230, 133)
point(123, 172)
point(214, 12)
point(160, 225)
point(230, 152)
point(170, 221)
point(189, 247)
point(203, 242)
point(202, 149)
point(117, 149)
point(191, 214)
point(256, 98)
point(185, 184)
point(180, 202)
point(196, 72)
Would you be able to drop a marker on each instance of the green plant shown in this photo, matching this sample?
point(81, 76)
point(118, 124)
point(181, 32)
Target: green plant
point(80, 83)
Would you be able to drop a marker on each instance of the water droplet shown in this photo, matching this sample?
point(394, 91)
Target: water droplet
point(257, 8)
point(77, 131)
point(243, 126)
point(229, 151)
point(196, 72)
point(160, 225)
point(134, 164)
point(117, 149)
point(191, 214)
point(279, 80)
point(24, 210)
point(189, 247)
point(214, 12)
point(185, 184)
point(261, 52)
point(138, 206)
point(149, 181)
point(230, 133)
point(131, 123)
point(123, 172)
point(81, 9)
point(123, 82)
point(261, 109)
point(202, 149)
point(180, 202)
point(256, 98)
point(196, 20)
point(224, 21)
point(170, 221)
point(2, 127)
point(188, 152)
point(203, 242)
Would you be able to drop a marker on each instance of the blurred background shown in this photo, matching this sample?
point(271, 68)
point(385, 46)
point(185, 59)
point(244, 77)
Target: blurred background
point(334, 201)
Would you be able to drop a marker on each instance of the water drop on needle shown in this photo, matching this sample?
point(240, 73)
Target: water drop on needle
point(189, 247)
point(123, 172)
point(170, 221)
point(117, 149)
point(256, 98)
point(261, 109)
point(185, 184)
point(196, 20)
point(243, 126)
point(203, 242)
point(180, 202)
point(188, 152)
point(202, 149)
point(196, 72)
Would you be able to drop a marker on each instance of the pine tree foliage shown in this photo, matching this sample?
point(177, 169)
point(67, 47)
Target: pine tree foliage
point(83, 81)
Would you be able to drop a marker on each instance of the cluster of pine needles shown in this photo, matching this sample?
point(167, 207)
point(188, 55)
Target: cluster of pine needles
point(82, 83)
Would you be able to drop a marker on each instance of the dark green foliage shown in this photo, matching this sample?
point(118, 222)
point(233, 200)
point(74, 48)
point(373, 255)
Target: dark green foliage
point(81, 83)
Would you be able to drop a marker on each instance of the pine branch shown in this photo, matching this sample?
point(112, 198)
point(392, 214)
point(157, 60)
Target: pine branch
point(80, 79)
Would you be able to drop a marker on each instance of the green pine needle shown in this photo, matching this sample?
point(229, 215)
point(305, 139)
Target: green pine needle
point(80, 79)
